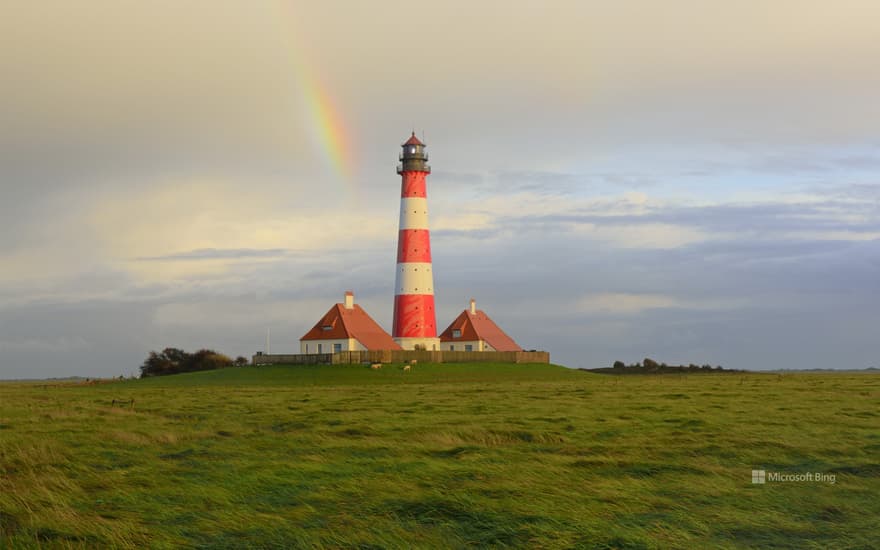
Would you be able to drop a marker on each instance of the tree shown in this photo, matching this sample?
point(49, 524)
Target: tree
point(166, 362)
point(619, 365)
point(173, 361)
point(241, 361)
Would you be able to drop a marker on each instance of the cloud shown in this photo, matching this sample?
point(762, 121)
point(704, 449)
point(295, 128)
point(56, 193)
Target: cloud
point(631, 304)
point(617, 303)
point(222, 254)
point(232, 313)
point(197, 228)
point(825, 219)
point(55, 344)
point(643, 235)
point(858, 191)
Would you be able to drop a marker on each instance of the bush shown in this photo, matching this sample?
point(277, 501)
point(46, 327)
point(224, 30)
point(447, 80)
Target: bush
point(174, 361)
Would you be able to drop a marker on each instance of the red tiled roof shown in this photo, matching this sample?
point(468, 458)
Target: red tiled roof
point(478, 326)
point(413, 140)
point(351, 323)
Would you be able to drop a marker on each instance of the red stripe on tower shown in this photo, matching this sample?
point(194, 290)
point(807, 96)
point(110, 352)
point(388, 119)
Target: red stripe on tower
point(413, 245)
point(415, 323)
point(414, 315)
point(414, 184)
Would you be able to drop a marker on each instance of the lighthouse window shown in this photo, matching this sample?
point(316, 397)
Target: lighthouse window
point(412, 149)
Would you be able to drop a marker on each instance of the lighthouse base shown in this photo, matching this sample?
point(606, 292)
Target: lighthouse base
point(429, 344)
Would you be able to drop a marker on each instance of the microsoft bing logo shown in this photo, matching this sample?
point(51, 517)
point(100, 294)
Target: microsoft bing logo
point(761, 477)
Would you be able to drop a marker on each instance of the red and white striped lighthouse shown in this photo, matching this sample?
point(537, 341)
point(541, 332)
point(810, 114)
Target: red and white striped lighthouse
point(415, 323)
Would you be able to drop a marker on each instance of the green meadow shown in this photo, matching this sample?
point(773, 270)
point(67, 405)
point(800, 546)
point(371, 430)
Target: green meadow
point(445, 456)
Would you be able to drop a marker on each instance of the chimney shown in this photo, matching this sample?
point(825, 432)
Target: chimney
point(349, 299)
point(473, 307)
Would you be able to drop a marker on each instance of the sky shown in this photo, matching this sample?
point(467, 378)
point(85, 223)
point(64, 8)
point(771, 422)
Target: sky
point(691, 181)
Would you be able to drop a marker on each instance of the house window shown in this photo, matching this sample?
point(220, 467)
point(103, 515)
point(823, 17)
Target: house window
point(327, 327)
point(337, 348)
point(456, 333)
point(451, 347)
point(319, 348)
point(468, 347)
point(307, 348)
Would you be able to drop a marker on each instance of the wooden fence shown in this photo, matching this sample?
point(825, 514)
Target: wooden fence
point(403, 356)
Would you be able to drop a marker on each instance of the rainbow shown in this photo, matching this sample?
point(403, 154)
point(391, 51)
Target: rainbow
point(328, 131)
point(325, 120)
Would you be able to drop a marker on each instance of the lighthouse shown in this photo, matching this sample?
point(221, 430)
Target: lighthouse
point(415, 323)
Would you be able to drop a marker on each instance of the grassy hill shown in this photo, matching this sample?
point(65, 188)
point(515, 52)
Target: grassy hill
point(444, 456)
point(341, 375)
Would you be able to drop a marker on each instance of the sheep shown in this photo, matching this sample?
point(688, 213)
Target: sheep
point(413, 361)
point(376, 366)
point(407, 368)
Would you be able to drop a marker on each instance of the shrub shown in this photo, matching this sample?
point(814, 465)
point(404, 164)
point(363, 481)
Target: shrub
point(174, 361)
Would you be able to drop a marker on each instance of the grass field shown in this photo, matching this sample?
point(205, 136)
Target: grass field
point(444, 456)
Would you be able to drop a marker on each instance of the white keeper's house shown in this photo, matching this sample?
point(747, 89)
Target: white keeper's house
point(346, 327)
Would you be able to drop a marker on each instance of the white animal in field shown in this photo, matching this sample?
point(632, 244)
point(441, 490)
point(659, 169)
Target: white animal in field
point(413, 361)
point(407, 368)
point(376, 366)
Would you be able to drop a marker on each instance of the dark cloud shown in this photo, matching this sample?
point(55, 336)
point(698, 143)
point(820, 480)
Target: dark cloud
point(860, 191)
point(746, 303)
point(86, 338)
point(810, 160)
point(771, 217)
point(741, 315)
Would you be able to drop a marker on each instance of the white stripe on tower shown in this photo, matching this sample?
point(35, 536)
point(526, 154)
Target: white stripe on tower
point(414, 213)
point(414, 278)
